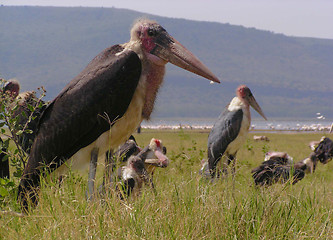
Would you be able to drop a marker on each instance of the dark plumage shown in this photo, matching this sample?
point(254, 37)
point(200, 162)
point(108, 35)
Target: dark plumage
point(101, 107)
point(131, 177)
point(279, 168)
point(123, 153)
point(324, 150)
point(152, 156)
point(230, 130)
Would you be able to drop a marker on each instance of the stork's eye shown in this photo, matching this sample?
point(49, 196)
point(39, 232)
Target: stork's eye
point(152, 32)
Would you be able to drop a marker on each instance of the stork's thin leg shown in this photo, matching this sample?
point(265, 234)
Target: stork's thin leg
point(152, 183)
point(92, 173)
point(225, 164)
point(212, 162)
point(231, 158)
point(109, 168)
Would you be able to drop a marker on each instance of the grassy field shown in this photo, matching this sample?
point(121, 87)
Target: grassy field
point(186, 206)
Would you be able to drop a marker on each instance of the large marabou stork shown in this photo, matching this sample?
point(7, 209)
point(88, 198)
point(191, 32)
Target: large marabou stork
point(102, 106)
point(230, 130)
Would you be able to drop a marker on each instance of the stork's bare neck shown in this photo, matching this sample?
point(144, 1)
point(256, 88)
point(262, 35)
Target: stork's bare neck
point(239, 103)
point(155, 47)
point(151, 78)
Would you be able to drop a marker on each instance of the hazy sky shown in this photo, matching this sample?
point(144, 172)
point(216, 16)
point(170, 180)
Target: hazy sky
point(310, 18)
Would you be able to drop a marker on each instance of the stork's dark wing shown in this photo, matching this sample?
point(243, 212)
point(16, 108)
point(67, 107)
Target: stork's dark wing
point(77, 116)
point(224, 131)
point(324, 150)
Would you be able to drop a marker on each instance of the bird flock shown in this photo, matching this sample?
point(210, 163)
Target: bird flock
point(280, 167)
point(96, 113)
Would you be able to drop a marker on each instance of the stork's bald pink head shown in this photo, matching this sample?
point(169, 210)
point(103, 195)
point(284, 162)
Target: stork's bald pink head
point(245, 95)
point(156, 156)
point(160, 48)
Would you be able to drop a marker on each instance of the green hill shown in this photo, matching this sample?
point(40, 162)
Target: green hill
point(290, 77)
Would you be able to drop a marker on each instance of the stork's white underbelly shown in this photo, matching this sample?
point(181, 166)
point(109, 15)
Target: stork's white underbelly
point(111, 139)
point(234, 146)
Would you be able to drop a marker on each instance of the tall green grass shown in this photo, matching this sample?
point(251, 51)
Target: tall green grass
point(185, 205)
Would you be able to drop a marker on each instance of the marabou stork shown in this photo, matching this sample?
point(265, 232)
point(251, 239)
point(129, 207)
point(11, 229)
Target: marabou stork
point(28, 110)
point(102, 106)
point(279, 156)
point(130, 148)
point(230, 130)
point(131, 178)
point(153, 156)
point(279, 167)
point(123, 153)
point(204, 170)
point(324, 150)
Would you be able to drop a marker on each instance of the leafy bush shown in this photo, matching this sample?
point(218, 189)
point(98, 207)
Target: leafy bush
point(15, 119)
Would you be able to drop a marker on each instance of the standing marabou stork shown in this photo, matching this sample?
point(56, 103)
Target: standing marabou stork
point(102, 106)
point(230, 130)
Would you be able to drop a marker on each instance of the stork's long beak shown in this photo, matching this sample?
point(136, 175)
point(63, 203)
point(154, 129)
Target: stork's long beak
point(170, 50)
point(253, 103)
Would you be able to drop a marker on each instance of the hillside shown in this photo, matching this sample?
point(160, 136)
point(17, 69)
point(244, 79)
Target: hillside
point(290, 77)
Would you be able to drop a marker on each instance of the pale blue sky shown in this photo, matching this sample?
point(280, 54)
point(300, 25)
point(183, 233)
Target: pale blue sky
point(310, 18)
